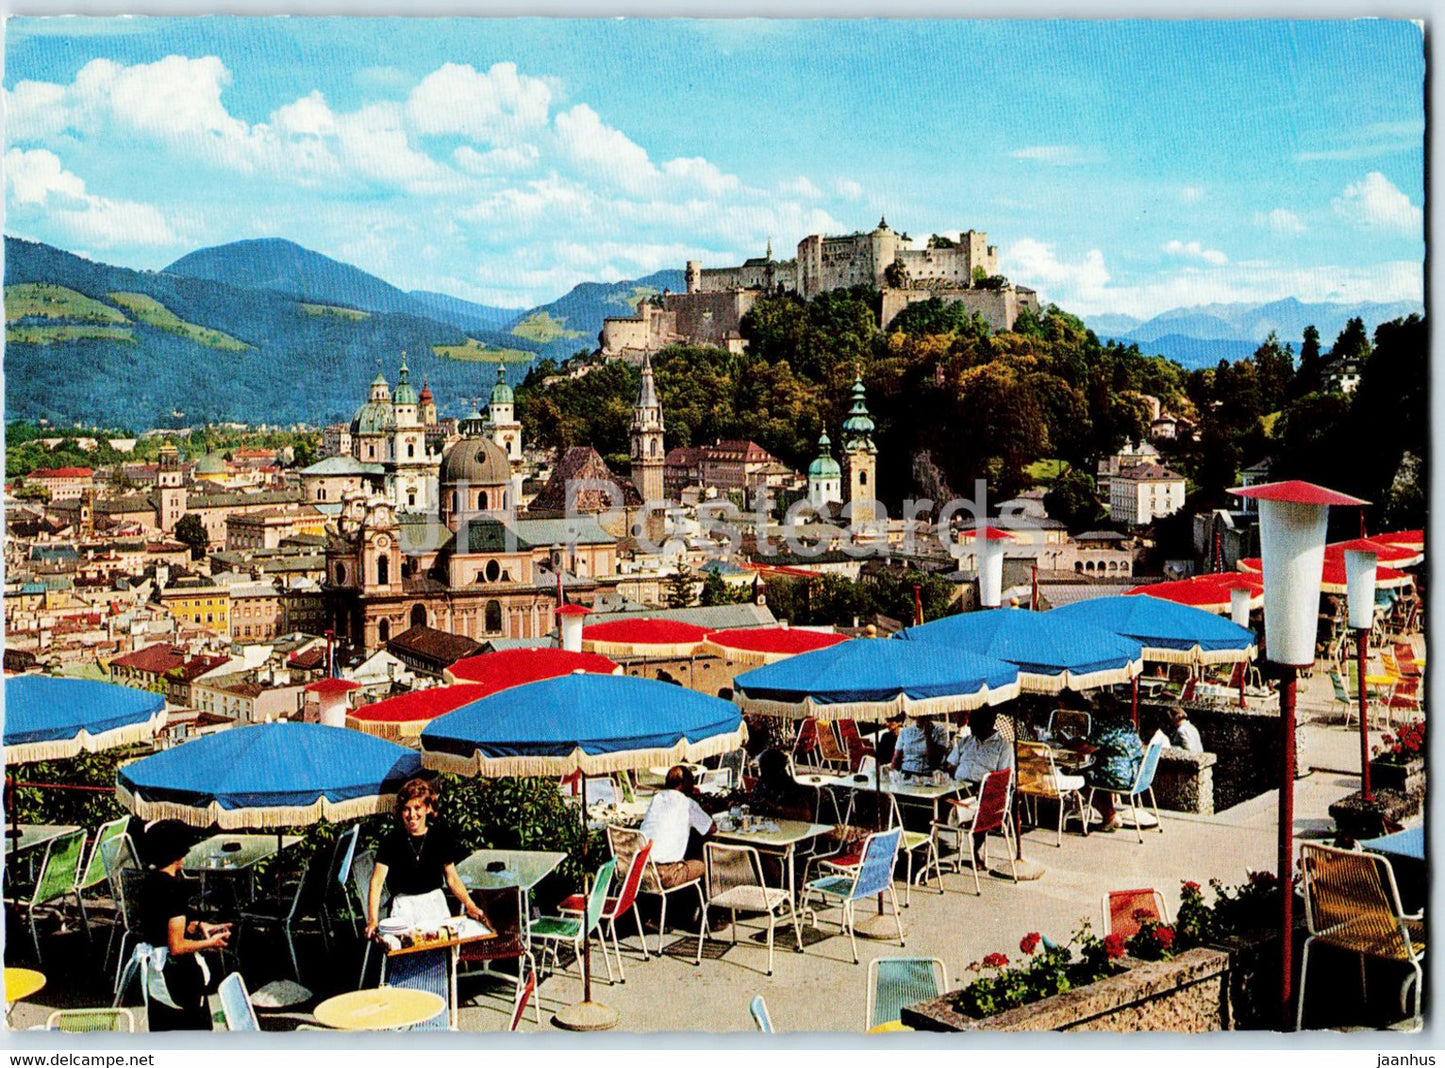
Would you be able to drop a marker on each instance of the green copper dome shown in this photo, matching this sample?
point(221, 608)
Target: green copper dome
point(501, 392)
point(374, 417)
point(405, 391)
point(858, 427)
point(209, 464)
point(824, 466)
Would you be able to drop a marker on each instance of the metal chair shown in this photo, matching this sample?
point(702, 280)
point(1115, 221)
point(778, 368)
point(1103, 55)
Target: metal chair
point(525, 990)
point(361, 868)
point(805, 745)
point(853, 742)
point(872, 878)
point(1067, 725)
point(894, 982)
point(59, 872)
point(1039, 776)
point(625, 843)
point(236, 1008)
point(1342, 697)
point(988, 813)
point(614, 907)
point(338, 874)
point(1352, 903)
point(555, 930)
point(735, 882)
point(912, 842)
point(761, 1017)
point(82, 1021)
point(93, 872)
point(1122, 910)
point(286, 914)
point(1143, 784)
point(832, 753)
point(506, 912)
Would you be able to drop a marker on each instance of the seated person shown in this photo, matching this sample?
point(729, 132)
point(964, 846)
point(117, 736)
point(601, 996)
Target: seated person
point(671, 816)
point(1182, 733)
point(920, 747)
point(888, 740)
point(983, 749)
point(776, 794)
point(166, 923)
point(1118, 752)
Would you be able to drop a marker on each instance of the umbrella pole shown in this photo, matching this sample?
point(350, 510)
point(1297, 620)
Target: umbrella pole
point(1362, 652)
point(586, 1015)
point(1287, 692)
point(1134, 700)
point(1022, 870)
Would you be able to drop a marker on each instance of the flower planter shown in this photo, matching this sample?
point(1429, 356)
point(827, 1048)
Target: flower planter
point(1357, 818)
point(1189, 993)
point(1407, 778)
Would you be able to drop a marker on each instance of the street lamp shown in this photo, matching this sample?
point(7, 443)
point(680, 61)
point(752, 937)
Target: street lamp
point(1361, 558)
point(990, 546)
point(1293, 517)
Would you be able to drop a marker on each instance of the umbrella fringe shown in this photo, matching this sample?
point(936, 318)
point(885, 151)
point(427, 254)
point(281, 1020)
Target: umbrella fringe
point(742, 657)
point(878, 711)
point(238, 819)
point(1071, 680)
point(642, 650)
point(402, 732)
point(577, 760)
point(1196, 655)
point(85, 742)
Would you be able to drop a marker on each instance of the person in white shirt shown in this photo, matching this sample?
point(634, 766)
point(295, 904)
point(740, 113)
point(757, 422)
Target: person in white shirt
point(1183, 733)
point(982, 750)
point(671, 817)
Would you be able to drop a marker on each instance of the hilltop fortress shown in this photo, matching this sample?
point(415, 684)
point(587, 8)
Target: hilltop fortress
point(709, 313)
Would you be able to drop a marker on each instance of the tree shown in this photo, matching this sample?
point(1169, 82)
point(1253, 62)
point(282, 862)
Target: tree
point(1074, 501)
point(679, 587)
point(895, 275)
point(1310, 377)
point(192, 532)
point(715, 591)
point(1274, 371)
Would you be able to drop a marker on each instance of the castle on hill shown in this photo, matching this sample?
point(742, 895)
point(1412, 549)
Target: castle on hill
point(710, 312)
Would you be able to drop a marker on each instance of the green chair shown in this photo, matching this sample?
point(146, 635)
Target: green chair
point(81, 1021)
point(894, 982)
point(555, 930)
point(94, 872)
point(56, 882)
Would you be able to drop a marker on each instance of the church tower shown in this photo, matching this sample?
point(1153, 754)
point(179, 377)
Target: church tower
point(648, 457)
point(505, 431)
point(861, 456)
point(825, 477)
point(170, 489)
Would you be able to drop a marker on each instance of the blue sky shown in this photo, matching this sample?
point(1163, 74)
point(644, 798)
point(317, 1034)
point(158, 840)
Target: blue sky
point(1119, 166)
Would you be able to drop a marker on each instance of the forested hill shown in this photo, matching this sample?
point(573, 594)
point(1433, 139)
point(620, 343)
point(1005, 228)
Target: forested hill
point(954, 402)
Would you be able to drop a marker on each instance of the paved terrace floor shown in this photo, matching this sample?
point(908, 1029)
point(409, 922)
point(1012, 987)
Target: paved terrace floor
point(822, 990)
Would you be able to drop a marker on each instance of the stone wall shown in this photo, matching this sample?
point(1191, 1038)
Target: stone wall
point(1245, 741)
point(1000, 307)
point(1185, 781)
point(710, 318)
point(1188, 994)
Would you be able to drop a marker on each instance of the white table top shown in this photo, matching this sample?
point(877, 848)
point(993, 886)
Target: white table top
point(922, 789)
point(520, 867)
point(250, 849)
point(35, 834)
point(788, 833)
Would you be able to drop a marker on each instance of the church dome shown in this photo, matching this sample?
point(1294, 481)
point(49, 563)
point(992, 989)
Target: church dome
point(477, 461)
point(405, 391)
point(374, 417)
point(825, 466)
point(208, 464)
point(501, 392)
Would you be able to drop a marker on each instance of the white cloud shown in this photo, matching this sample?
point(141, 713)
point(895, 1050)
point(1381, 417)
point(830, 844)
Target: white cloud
point(1374, 203)
point(488, 108)
point(706, 176)
point(1035, 264)
point(1279, 221)
point(848, 189)
point(37, 182)
point(1058, 155)
point(1377, 139)
point(1193, 250)
point(800, 187)
point(309, 116)
point(498, 161)
point(602, 150)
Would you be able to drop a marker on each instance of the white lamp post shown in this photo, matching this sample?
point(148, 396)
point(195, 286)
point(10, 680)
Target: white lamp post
point(569, 619)
point(1239, 605)
point(1361, 559)
point(1293, 517)
point(990, 542)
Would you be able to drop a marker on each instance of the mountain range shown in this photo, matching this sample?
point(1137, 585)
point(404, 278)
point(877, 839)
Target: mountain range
point(1203, 335)
point(268, 331)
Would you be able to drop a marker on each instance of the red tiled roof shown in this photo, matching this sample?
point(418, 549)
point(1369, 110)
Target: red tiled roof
point(153, 659)
point(311, 658)
point(62, 472)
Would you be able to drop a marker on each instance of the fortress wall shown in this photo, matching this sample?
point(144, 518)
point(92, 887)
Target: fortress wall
point(999, 307)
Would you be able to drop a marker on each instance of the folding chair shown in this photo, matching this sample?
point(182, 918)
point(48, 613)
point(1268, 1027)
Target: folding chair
point(555, 930)
point(1352, 903)
point(1143, 784)
point(1122, 911)
point(614, 907)
point(894, 982)
point(93, 873)
point(873, 877)
point(735, 882)
point(984, 815)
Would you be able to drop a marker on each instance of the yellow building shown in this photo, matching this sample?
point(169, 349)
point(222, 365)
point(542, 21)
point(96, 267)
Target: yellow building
point(206, 607)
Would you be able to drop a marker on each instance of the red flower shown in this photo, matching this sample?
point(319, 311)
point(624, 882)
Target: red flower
point(1164, 936)
point(995, 960)
point(1114, 946)
point(1030, 942)
point(1189, 884)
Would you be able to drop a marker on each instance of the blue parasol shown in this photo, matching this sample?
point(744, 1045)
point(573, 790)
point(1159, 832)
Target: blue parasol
point(872, 679)
point(1052, 653)
point(55, 718)
point(590, 723)
point(1169, 632)
point(269, 775)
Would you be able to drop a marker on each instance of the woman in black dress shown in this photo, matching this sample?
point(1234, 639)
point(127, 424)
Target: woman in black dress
point(418, 858)
point(166, 923)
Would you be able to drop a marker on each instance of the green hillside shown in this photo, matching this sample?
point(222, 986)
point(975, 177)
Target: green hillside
point(149, 310)
point(352, 314)
point(58, 334)
point(475, 351)
point(32, 300)
point(543, 329)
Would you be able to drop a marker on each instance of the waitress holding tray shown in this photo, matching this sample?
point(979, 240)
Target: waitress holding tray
point(417, 859)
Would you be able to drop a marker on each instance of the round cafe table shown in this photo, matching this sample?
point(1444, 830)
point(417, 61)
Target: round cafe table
point(21, 983)
point(384, 1008)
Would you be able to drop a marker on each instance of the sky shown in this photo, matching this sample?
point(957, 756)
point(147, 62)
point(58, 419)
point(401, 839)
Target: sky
point(1125, 167)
